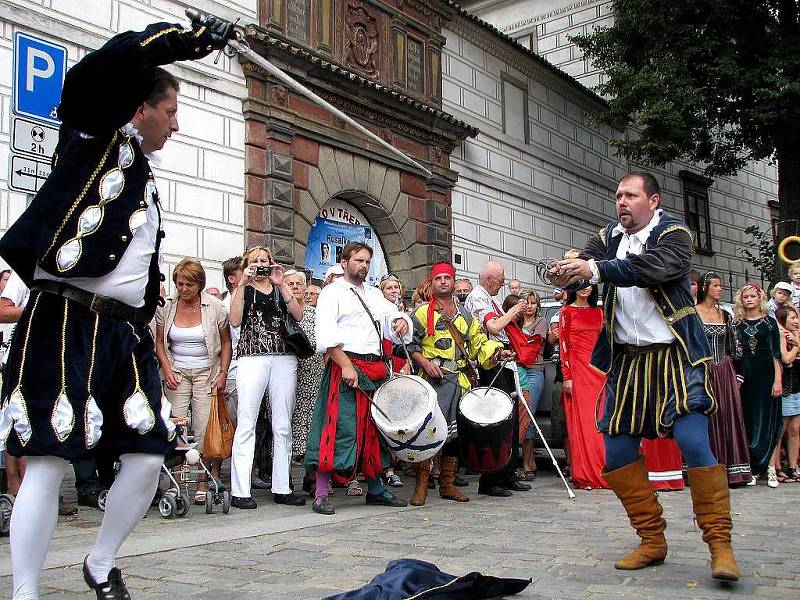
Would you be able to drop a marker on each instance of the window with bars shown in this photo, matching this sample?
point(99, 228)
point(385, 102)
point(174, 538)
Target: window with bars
point(696, 205)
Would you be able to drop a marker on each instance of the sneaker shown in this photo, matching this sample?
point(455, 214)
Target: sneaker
point(323, 506)
point(393, 480)
point(245, 503)
point(291, 499)
point(772, 477)
point(753, 481)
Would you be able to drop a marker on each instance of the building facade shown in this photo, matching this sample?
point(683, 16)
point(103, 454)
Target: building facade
point(519, 170)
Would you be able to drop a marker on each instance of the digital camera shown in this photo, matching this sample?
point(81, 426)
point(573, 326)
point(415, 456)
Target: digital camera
point(263, 271)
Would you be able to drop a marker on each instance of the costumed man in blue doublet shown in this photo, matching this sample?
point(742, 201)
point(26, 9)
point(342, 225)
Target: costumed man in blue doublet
point(655, 356)
point(82, 376)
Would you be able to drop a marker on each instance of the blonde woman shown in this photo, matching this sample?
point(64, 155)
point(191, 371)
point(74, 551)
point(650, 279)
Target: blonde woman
point(265, 363)
point(193, 346)
point(761, 367)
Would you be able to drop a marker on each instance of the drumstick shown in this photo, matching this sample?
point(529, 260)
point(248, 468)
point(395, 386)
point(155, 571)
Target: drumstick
point(521, 400)
point(500, 370)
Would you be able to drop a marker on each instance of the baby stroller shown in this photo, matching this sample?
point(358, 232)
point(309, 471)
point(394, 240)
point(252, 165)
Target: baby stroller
point(174, 501)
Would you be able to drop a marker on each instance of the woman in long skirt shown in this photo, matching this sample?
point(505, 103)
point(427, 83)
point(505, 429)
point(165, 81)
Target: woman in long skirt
point(727, 433)
point(762, 387)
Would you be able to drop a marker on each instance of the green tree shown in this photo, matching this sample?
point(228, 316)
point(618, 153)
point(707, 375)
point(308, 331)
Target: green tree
point(716, 82)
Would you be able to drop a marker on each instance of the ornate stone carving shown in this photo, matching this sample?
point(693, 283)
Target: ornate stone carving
point(279, 95)
point(437, 156)
point(386, 136)
point(361, 48)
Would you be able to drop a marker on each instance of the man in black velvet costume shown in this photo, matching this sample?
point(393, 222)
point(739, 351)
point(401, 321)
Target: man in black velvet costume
point(82, 376)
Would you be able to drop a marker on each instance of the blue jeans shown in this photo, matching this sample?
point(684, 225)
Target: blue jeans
point(536, 383)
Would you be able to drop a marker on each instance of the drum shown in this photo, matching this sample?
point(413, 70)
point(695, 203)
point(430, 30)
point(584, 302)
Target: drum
point(486, 429)
point(407, 414)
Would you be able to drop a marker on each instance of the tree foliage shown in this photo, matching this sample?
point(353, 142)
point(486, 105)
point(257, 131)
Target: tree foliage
point(716, 82)
point(761, 252)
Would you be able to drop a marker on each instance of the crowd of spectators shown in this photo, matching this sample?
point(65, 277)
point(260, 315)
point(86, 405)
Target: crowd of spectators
point(230, 341)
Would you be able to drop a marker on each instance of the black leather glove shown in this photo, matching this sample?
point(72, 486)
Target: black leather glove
point(212, 31)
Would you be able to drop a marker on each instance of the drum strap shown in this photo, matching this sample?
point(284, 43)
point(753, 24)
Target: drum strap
point(374, 322)
point(470, 371)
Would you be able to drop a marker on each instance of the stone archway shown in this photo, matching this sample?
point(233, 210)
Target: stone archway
point(381, 193)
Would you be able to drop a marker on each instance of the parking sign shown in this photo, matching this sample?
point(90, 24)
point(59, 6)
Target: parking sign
point(39, 68)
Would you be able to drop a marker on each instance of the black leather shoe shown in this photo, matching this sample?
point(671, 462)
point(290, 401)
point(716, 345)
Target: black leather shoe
point(246, 503)
point(113, 589)
point(517, 486)
point(460, 481)
point(323, 506)
point(260, 484)
point(291, 499)
point(386, 500)
point(495, 490)
point(92, 500)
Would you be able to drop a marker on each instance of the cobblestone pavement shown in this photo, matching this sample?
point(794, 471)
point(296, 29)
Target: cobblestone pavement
point(565, 546)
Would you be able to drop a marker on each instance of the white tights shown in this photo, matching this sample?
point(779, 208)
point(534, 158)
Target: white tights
point(35, 513)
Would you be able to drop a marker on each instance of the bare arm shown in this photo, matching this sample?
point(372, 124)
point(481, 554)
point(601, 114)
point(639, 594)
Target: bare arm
point(9, 312)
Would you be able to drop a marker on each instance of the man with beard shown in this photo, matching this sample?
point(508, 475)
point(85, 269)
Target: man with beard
point(653, 341)
point(352, 319)
point(447, 342)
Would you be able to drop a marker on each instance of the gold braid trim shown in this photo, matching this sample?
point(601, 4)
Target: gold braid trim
point(85, 189)
point(672, 228)
point(602, 235)
point(683, 313)
point(159, 34)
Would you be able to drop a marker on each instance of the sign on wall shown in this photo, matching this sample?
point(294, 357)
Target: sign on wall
point(337, 224)
point(39, 69)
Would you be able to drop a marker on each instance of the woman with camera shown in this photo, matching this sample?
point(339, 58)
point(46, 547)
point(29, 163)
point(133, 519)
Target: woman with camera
point(260, 303)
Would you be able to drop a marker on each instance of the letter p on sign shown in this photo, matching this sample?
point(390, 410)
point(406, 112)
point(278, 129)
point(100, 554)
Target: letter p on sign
point(39, 69)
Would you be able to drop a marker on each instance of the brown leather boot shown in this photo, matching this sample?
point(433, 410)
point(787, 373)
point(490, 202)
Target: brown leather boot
point(420, 493)
point(447, 478)
point(712, 509)
point(632, 487)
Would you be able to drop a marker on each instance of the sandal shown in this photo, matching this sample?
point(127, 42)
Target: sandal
point(783, 477)
point(200, 497)
point(354, 488)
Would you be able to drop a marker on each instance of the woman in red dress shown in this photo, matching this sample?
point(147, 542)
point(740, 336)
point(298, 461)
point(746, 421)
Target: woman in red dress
point(580, 323)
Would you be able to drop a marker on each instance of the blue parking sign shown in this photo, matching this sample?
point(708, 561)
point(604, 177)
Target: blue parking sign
point(39, 68)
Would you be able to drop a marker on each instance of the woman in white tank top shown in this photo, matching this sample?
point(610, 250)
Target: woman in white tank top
point(193, 345)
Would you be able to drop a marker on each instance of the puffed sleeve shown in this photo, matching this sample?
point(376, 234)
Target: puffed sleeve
point(327, 316)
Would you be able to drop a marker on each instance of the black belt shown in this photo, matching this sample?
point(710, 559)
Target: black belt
point(102, 305)
point(631, 350)
point(364, 357)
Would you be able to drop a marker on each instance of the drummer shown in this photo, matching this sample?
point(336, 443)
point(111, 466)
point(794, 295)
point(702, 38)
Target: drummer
point(447, 342)
point(352, 319)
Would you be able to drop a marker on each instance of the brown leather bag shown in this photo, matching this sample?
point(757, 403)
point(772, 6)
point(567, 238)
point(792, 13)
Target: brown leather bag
point(218, 443)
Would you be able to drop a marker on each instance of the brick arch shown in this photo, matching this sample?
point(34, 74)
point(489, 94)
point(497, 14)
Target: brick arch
point(377, 191)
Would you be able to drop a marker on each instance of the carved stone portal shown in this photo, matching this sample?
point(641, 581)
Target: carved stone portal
point(362, 39)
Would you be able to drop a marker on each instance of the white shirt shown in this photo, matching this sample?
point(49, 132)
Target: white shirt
point(127, 282)
point(18, 293)
point(639, 323)
point(481, 304)
point(188, 347)
point(342, 321)
point(234, 338)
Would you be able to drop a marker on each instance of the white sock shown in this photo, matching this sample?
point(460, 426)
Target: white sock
point(33, 521)
point(127, 502)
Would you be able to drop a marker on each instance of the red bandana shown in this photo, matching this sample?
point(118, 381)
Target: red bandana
point(438, 269)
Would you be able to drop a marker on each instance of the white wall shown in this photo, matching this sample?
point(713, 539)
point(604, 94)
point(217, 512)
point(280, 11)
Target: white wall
point(201, 177)
point(542, 198)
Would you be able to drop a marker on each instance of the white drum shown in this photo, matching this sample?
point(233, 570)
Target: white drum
point(407, 414)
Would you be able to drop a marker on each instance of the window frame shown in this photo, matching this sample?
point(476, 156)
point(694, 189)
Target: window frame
point(695, 190)
point(523, 87)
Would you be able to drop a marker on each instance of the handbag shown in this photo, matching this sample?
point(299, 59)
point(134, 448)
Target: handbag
point(218, 441)
point(296, 340)
point(526, 347)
